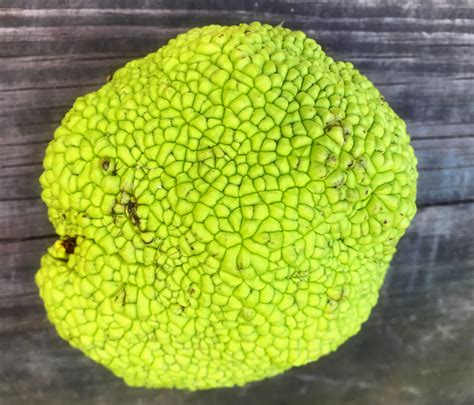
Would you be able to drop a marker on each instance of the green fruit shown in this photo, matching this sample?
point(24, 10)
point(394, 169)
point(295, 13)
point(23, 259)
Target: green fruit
point(227, 208)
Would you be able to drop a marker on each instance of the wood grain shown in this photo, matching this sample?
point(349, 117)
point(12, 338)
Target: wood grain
point(417, 346)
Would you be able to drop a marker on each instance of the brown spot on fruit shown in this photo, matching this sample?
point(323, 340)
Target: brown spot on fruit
point(105, 164)
point(69, 244)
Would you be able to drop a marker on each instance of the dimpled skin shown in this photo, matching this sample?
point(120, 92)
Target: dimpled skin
point(226, 207)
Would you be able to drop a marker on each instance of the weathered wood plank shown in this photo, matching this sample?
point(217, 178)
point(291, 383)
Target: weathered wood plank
point(329, 9)
point(23, 219)
point(425, 80)
point(427, 104)
point(436, 249)
point(19, 259)
point(446, 169)
point(410, 350)
point(20, 182)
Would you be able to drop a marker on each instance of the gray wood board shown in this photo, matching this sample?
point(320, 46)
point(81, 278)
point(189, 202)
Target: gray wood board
point(416, 348)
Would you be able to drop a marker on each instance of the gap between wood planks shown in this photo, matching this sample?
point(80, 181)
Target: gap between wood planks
point(421, 208)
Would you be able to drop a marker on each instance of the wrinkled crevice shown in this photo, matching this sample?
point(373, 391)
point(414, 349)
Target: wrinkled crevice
point(69, 243)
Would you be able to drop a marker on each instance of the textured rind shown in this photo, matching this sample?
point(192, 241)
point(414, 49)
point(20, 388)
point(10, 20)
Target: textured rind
point(227, 208)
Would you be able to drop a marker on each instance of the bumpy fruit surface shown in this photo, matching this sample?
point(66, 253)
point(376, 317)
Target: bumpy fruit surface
point(227, 208)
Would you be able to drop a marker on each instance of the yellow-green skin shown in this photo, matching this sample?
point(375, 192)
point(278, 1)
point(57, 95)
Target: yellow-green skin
point(227, 208)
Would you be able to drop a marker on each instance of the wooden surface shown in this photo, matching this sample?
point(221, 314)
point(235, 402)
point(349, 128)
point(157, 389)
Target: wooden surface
point(417, 347)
